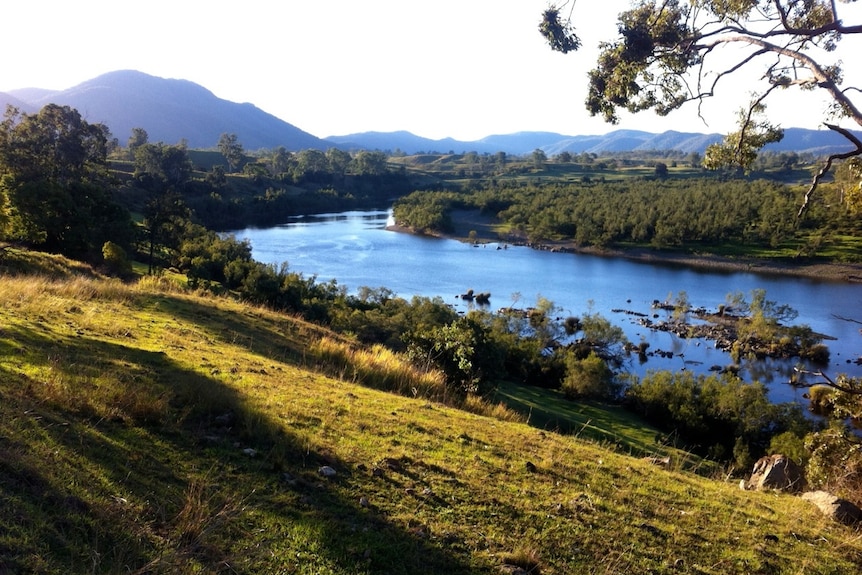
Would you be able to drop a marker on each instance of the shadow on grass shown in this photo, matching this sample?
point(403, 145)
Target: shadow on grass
point(170, 470)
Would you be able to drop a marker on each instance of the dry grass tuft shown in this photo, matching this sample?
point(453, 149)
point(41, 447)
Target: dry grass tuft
point(500, 411)
point(377, 367)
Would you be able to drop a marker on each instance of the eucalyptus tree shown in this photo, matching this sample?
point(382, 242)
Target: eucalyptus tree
point(55, 188)
point(232, 150)
point(138, 138)
point(669, 53)
point(163, 171)
point(338, 160)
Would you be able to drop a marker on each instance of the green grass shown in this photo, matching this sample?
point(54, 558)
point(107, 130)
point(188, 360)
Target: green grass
point(145, 429)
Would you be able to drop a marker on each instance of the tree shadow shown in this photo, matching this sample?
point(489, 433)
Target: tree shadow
point(171, 469)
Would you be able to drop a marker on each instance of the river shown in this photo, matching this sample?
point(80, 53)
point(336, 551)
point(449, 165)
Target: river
point(356, 249)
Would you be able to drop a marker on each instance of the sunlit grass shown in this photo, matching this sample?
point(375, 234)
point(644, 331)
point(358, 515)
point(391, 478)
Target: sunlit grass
point(145, 429)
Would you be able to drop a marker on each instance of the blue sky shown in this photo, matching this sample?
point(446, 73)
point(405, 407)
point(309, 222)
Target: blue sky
point(459, 68)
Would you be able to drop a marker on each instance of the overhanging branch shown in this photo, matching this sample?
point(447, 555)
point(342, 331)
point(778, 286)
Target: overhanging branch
point(828, 165)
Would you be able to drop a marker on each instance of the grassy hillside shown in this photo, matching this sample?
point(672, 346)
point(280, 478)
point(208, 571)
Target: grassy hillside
point(144, 429)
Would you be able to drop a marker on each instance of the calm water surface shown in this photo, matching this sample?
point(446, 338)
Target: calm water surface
point(355, 249)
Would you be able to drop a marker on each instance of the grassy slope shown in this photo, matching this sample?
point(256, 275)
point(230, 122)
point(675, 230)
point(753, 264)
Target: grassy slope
point(125, 410)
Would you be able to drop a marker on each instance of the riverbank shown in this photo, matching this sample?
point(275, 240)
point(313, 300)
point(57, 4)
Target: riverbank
point(472, 226)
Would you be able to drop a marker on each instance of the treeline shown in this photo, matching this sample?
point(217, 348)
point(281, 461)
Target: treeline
point(653, 212)
point(236, 189)
point(68, 186)
point(58, 193)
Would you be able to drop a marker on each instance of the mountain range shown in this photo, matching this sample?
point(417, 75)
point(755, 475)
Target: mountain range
point(172, 110)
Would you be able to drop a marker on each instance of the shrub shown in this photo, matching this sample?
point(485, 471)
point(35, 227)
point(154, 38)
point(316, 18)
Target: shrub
point(589, 377)
point(790, 445)
point(116, 260)
point(720, 416)
point(835, 464)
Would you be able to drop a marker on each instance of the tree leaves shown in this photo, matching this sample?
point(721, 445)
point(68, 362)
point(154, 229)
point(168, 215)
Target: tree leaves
point(642, 69)
point(560, 35)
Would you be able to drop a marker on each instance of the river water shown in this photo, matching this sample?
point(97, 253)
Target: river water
point(356, 249)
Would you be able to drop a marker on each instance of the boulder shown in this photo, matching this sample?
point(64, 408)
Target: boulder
point(834, 507)
point(776, 472)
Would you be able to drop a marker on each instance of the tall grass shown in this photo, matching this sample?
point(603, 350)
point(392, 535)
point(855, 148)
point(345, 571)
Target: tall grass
point(383, 369)
point(377, 367)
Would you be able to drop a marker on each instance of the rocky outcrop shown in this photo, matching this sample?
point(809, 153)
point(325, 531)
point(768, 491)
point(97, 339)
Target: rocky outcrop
point(834, 507)
point(776, 472)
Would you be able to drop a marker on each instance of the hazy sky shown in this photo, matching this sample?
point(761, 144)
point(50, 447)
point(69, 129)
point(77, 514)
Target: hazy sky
point(459, 68)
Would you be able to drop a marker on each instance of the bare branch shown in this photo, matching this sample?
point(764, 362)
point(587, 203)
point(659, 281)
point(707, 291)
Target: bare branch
point(848, 319)
point(828, 165)
point(823, 79)
point(831, 382)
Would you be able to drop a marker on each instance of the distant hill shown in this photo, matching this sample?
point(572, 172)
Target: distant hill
point(800, 140)
point(7, 99)
point(171, 110)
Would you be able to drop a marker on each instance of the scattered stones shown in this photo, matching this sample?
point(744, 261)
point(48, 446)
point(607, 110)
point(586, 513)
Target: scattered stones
point(363, 502)
point(776, 472)
point(327, 471)
point(250, 452)
point(834, 507)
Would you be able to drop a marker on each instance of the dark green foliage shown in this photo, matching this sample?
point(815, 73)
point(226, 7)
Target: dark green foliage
point(161, 166)
point(719, 416)
point(425, 212)
point(835, 460)
point(560, 35)
point(55, 192)
point(231, 149)
point(208, 258)
point(376, 316)
point(163, 172)
point(664, 213)
point(589, 378)
point(642, 69)
point(462, 350)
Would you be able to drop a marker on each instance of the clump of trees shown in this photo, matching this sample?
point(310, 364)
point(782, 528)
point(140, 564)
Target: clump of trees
point(56, 193)
point(662, 214)
point(718, 416)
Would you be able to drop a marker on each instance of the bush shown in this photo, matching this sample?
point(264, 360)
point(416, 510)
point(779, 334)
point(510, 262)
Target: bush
point(589, 377)
point(835, 464)
point(722, 417)
point(116, 260)
point(790, 445)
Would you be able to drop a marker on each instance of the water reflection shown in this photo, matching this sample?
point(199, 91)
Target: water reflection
point(356, 249)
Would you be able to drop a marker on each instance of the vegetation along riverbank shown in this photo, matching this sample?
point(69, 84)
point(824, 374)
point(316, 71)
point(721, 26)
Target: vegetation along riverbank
point(170, 404)
point(649, 221)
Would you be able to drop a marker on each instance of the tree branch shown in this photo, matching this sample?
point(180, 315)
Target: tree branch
point(831, 382)
point(828, 165)
point(848, 319)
